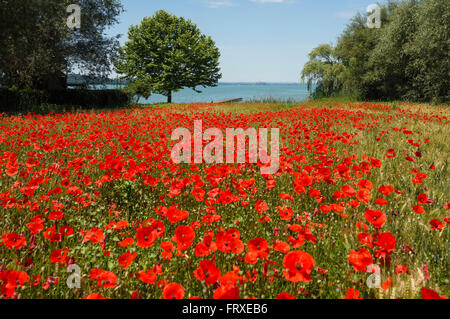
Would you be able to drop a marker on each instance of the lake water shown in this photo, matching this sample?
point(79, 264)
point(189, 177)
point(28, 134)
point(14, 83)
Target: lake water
point(225, 91)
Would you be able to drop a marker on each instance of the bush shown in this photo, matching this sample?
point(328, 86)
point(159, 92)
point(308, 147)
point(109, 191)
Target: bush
point(19, 101)
point(24, 101)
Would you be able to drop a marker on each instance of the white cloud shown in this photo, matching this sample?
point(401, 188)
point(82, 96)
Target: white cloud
point(218, 3)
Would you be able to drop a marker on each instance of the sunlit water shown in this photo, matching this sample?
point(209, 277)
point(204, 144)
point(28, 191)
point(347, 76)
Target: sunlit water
point(225, 91)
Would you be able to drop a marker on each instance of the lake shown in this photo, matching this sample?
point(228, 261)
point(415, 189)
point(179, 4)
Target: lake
point(225, 91)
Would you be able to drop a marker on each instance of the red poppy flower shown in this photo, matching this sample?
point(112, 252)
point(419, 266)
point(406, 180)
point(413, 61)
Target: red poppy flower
point(261, 206)
point(59, 256)
point(94, 235)
point(11, 279)
point(348, 191)
point(237, 246)
point(184, 236)
point(94, 296)
point(285, 196)
point(285, 212)
point(363, 196)
point(430, 294)
point(251, 258)
point(65, 231)
point(106, 279)
point(360, 259)
point(365, 184)
point(229, 242)
point(436, 224)
point(422, 199)
point(198, 193)
point(227, 292)
point(376, 217)
point(298, 265)
point(282, 247)
point(202, 250)
point(36, 224)
point(401, 269)
point(207, 271)
point(145, 237)
point(381, 202)
point(126, 242)
point(352, 293)
point(149, 277)
point(14, 241)
point(365, 239)
point(386, 241)
point(270, 184)
point(285, 295)
point(386, 190)
point(126, 259)
point(167, 246)
point(387, 284)
point(231, 278)
point(418, 209)
point(259, 247)
point(175, 215)
point(173, 291)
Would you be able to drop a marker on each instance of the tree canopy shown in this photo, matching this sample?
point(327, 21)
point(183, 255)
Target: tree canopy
point(38, 49)
point(166, 53)
point(407, 58)
point(323, 71)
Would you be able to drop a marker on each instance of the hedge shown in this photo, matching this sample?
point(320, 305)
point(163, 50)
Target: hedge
point(24, 101)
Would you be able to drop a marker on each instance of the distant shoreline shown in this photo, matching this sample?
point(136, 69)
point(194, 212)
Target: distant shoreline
point(75, 79)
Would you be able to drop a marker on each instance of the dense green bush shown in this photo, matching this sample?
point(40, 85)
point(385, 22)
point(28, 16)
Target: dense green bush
point(408, 58)
point(24, 101)
point(20, 101)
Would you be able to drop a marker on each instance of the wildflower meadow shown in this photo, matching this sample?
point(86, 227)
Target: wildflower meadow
point(93, 206)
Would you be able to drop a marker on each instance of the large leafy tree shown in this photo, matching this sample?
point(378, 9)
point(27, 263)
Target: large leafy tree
point(407, 58)
point(429, 52)
point(38, 49)
point(166, 53)
point(324, 73)
point(354, 48)
point(388, 60)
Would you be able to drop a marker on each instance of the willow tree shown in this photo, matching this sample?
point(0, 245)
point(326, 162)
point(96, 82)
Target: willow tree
point(166, 53)
point(324, 73)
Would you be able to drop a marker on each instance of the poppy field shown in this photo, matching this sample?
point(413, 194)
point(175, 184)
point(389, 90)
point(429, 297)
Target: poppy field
point(92, 206)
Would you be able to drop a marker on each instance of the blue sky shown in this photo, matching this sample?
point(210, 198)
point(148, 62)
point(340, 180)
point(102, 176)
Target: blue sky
point(259, 40)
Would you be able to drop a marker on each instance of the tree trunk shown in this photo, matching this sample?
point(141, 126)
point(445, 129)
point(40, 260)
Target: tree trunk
point(169, 97)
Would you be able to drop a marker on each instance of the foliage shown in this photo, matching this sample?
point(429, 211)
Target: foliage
point(24, 101)
point(407, 58)
point(166, 53)
point(323, 71)
point(429, 49)
point(39, 50)
point(139, 88)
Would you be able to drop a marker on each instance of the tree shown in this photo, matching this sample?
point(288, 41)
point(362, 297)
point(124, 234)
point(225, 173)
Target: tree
point(324, 71)
point(388, 60)
point(429, 50)
point(169, 53)
point(38, 49)
point(354, 49)
point(139, 88)
point(407, 58)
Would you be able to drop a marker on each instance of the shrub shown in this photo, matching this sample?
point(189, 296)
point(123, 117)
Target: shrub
point(23, 101)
